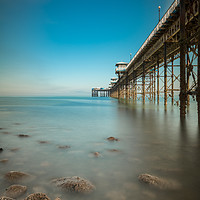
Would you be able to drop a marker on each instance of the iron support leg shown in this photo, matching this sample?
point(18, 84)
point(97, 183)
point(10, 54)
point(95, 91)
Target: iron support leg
point(126, 87)
point(172, 77)
point(198, 70)
point(158, 86)
point(188, 79)
point(165, 74)
point(154, 84)
point(143, 85)
point(182, 60)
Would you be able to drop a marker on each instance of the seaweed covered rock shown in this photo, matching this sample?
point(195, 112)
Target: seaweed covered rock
point(43, 142)
point(6, 198)
point(64, 147)
point(15, 191)
point(37, 196)
point(14, 149)
point(158, 182)
point(15, 176)
point(112, 139)
point(113, 150)
point(23, 135)
point(96, 154)
point(74, 184)
point(4, 161)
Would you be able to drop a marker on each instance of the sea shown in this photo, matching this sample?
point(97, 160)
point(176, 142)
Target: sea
point(151, 140)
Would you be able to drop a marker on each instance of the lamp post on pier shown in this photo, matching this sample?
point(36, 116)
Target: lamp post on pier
point(159, 11)
point(130, 56)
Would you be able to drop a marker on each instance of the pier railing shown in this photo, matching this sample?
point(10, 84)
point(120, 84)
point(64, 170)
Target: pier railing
point(156, 29)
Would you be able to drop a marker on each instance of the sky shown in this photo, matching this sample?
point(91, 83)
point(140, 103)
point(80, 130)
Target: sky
point(67, 47)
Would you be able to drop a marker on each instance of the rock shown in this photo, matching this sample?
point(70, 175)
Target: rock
point(43, 142)
point(2, 128)
point(37, 196)
point(96, 154)
point(14, 176)
point(113, 150)
point(158, 182)
point(112, 139)
point(23, 135)
point(1, 149)
point(14, 149)
point(57, 198)
point(6, 132)
point(64, 147)
point(15, 191)
point(6, 198)
point(4, 161)
point(74, 184)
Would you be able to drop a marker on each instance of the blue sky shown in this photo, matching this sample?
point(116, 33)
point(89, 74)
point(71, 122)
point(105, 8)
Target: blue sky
point(62, 47)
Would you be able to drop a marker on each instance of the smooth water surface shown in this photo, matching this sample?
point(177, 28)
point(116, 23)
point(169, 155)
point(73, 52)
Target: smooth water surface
point(150, 141)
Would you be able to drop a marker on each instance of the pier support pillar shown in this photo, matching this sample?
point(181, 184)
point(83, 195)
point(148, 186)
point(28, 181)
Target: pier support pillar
point(183, 96)
point(151, 87)
point(172, 77)
point(165, 74)
point(154, 84)
point(158, 78)
point(143, 84)
point(134, 86)
point(118, 89)
point(198, 70)
point(188, 79)
point(126, 87)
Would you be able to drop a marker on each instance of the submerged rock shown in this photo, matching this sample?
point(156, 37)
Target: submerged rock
point(14, 149)
point(6, 198)
point(23, 135)
point(113, 150)
point(14, 176)
point(112, 139)
point(64, 147)
point(37, 196)
point(6, 132)
point(96, 154)
point(74, 184)
point(4, 161)
point(15, 191)
point(158, 182)
point(43, 142)
point(1, 149)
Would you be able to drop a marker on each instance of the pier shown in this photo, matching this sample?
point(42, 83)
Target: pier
point(100, 92)
point(167, 65)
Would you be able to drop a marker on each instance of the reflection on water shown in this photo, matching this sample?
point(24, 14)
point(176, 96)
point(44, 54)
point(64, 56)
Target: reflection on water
point(150, 141)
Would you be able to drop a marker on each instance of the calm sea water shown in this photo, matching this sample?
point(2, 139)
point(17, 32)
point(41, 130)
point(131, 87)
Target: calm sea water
point(150, 141)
